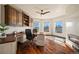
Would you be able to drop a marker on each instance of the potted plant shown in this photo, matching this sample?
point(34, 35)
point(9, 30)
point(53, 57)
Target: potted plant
point(3, 28)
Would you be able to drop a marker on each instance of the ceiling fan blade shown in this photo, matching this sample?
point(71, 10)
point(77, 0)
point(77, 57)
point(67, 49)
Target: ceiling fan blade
point(46, 12)
point(42, 13)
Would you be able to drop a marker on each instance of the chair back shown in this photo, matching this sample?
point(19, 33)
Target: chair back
point(28, 34)
point(40, 40)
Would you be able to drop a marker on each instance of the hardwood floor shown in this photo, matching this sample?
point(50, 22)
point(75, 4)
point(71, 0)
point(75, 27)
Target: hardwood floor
point(51, 47)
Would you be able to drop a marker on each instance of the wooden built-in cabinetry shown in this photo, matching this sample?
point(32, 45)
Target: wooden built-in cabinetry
point(25, 19)
point(11, 15)
point(14, 17)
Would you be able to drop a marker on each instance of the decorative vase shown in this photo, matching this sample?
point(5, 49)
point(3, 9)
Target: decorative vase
point(2, 35)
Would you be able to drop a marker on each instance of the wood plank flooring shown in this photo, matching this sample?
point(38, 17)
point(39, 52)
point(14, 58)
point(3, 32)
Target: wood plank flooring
point(50, 47)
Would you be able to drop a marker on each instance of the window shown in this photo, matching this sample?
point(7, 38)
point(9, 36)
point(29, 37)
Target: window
point(58, 27)
point(46, 26)
point(36, 25)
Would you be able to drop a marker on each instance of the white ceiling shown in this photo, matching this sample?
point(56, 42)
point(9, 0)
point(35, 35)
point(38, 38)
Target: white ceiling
point(56, 10)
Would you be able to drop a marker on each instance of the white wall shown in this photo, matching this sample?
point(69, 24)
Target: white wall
point(16, 29)
point(77, 28)
point(73, 28)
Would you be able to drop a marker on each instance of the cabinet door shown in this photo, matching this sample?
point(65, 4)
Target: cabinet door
point(11, 16)
point(7, 15)
point(8, 48)
point(17, 18)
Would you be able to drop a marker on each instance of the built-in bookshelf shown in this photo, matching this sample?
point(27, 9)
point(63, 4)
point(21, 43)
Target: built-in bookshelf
point(25, 19)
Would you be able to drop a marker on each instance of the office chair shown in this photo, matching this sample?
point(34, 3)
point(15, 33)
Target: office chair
point(29, 35)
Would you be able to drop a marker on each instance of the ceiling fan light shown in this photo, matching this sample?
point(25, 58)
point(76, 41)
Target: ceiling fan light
point(43, 13)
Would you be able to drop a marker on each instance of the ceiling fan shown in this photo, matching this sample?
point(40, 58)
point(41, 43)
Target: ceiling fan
point(42, 12)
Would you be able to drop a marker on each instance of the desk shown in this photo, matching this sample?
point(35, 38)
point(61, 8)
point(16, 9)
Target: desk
point(21, 37)
point(9, 38)
point(8, 45)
